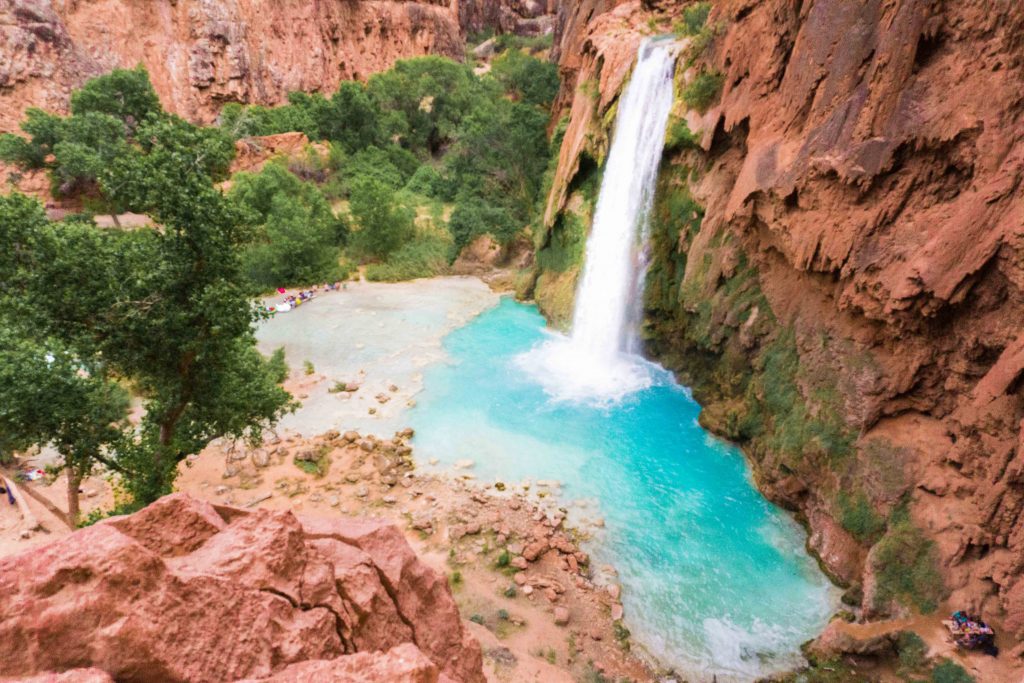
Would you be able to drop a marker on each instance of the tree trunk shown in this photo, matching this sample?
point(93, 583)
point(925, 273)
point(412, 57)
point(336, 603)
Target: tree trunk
point(74, 508)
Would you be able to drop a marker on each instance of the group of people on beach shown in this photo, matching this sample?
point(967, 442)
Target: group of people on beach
point(971, 633)
point(304, 295)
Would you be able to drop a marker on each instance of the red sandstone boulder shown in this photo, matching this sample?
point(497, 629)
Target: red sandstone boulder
point(185, 591)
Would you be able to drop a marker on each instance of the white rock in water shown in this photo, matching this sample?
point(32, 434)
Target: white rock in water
point(433, 461)
point(464, 464)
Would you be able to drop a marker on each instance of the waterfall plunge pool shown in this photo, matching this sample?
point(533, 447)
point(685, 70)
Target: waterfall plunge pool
point(715, 578)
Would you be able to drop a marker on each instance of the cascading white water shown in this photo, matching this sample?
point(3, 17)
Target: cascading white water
point(595, 362)
point(604, 323)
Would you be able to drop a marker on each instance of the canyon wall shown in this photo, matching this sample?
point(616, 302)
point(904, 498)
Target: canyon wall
point(837, 269)
point(203, 53)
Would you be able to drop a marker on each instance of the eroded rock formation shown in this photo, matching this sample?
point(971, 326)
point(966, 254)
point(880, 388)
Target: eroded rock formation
point(838, 265)
point(203, 53)
point(186, 591)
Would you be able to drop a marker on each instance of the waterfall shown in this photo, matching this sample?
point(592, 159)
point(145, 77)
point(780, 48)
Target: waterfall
point(609, 296)
point(596, 361)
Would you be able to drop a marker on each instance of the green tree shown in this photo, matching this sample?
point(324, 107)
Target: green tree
point(384, 224)
point(50, 396)
point(531, 80)
point(295, 247)
point(44, 131)
point(500, 155)
point(353, 120)
point(166, 308)
point(125, 94)
point(425, 99)
point(473, 217)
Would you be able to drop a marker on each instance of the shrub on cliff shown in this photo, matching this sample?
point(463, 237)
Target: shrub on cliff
point(906, 565)
point(704, 90)
point(858, 517)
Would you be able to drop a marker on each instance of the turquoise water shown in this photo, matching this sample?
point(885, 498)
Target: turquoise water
point(715, 578)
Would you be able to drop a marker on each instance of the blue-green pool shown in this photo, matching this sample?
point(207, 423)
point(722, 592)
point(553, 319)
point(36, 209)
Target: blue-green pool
point(715, 578)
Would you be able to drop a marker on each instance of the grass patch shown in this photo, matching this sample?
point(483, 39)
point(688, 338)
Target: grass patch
point(319, 466)
point(948, 671)
point(857, 516)
point(913, 652)
point(906, 565)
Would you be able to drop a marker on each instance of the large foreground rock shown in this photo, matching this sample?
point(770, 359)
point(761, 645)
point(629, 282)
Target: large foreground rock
point(186, 591)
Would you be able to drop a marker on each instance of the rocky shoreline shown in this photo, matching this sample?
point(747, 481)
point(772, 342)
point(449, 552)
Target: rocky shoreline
point(530, 594)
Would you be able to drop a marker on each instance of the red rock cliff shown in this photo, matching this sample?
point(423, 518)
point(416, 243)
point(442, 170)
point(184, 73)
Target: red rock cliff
point(861, 183)
point(186, 591)
point(203, 53)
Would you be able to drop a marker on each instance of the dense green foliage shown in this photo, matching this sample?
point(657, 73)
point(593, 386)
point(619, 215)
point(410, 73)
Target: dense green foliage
point(948, 671)
point(426, 130)
point(857, 516)
point(906, 565)
point(298, 238)
point(703, 90)
point(50, 395)
point(531, 80)
point(164, 308)
point(474, 217)
point(694, 18)
point(383, 223)
point(124, 94)
point(912, 652)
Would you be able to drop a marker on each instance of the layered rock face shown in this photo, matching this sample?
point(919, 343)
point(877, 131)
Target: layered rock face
point(186, 591)
point(838, 269)
point(203, 53)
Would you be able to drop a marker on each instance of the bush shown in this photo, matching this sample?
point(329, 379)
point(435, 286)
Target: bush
point(949, 671)
point(427, 181)
point(913, 652)
point(679, 136)
point(384, 224)
point(424, 256)
point(474, 217)
point(379, 164)
point(298, 238)
point(694, 19)
point(704, 90)
point(531, 80)
point(858, 517)
point(906, 565)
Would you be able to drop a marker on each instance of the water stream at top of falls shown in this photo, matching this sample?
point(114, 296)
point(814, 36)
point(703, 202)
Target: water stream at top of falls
point(597, 362)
